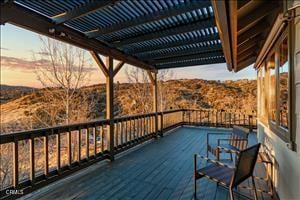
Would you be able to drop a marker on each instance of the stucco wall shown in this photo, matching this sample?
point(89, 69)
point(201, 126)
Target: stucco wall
point(297, 77)
point(287, 162)
point(287, 167)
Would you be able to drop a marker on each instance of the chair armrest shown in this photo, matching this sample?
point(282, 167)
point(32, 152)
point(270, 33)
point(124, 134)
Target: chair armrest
point(219, 140)
point(209, 160)
point(229, 150)
point(214, 133)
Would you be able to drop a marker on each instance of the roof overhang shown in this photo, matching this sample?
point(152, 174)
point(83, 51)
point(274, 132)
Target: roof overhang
point(148, 34)
point(244, 26)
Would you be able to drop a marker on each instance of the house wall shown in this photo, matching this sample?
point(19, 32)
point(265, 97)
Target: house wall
point(287, 162)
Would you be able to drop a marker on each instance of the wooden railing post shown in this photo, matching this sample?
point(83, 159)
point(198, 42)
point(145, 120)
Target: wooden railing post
point(109, 105)
point(250, 123)
point(161, 124)
point(153, 79)
point(109, 71)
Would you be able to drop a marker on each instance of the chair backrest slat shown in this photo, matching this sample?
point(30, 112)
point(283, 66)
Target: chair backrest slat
point(239, 132)
point(245, 165)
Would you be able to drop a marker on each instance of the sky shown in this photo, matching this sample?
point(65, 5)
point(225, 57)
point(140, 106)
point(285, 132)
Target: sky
point(17, 63)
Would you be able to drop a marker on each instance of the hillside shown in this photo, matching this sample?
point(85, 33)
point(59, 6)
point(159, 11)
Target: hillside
point(129, 99)
point(8, 92)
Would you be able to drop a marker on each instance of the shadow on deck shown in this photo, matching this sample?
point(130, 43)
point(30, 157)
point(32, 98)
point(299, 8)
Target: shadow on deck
point(162, 169)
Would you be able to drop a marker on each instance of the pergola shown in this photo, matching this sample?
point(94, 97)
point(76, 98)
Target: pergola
point(151, 35)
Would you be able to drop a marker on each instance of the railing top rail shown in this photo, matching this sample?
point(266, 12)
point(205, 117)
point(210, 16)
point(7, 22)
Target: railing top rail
point(23, 135)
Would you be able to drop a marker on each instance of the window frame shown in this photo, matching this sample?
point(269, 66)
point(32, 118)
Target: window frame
point(280, 131)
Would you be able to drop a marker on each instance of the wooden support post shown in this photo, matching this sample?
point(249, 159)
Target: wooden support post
point(153, 79)
point(108, 70)
point(110, 105)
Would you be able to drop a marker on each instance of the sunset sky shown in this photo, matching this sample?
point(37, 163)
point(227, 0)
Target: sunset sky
point(17, 65)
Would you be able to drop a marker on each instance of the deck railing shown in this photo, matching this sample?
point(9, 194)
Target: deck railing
point(37, 157)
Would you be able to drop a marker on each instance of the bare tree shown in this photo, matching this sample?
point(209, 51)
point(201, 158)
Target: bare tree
point(62, 69)
point(163, 90)
point(141, 90)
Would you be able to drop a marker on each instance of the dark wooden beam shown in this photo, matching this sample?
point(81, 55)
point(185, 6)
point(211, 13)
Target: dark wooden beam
point(254, 31)
point(179, 43)
point(25, 18)
point(187, 57)
point(118, 67)
point(100, 63)
point(151, 77)
point(251, 52)
point(245, 63)
point(223, 22)
point(249, 44)
point(167, 32)
point(158, 15)
point(81, 11)
point(248, 21)
point(242, 3)
point(233, 30)
point(192, 63)
point(212, 48)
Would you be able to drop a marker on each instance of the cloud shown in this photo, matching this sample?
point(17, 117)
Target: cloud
point(3, 48)
point(28, 65)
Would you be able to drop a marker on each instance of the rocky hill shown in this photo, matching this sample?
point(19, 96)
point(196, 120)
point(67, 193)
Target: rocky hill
point(8, 92)
point(20, 108)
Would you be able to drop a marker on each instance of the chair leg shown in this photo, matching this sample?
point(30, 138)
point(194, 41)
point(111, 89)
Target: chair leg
point(195, 188)
point(231, 159)
point(231, 193)
point(254, 188)
point(195, 177)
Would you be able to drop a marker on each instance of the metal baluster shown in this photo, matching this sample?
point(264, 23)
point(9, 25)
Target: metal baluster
point(79, 145)
point(95, 140)
point(102, 135)
point(58, 151)
point(87, 140)
point(46, 155)
point(32, 159)
point(126, 131)
point(69, 148)
point(16, 163)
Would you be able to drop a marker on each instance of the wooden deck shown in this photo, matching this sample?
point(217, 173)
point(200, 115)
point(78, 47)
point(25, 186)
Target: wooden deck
point(162, 169)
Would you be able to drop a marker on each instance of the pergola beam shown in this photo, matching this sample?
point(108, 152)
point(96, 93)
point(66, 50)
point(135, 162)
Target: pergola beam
point(254, 31)
point(167, 32)
point(187, 57)
point(155, 16)
point(23, 17)
point(170, 54)
point(248, 21)
point(244, 63)
point(192, 63)
point(100, 63)
point(249, 44)
point(153, 79)
point(149, 49)
point(81, 11)
point(246, 54)
point(222, 22)
point(118, 67)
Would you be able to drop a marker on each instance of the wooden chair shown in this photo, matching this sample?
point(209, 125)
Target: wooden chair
point(226, 176)
point(236, 141)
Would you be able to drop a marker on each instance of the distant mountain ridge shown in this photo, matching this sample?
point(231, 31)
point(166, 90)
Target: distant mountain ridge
point(9, 92)
point(20, 102)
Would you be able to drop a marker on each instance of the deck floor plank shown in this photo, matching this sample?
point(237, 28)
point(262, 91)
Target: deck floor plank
point(162, 169)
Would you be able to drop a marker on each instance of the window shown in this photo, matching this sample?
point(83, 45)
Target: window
point(261, 93)
point(272, 88)
point(283, 84)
